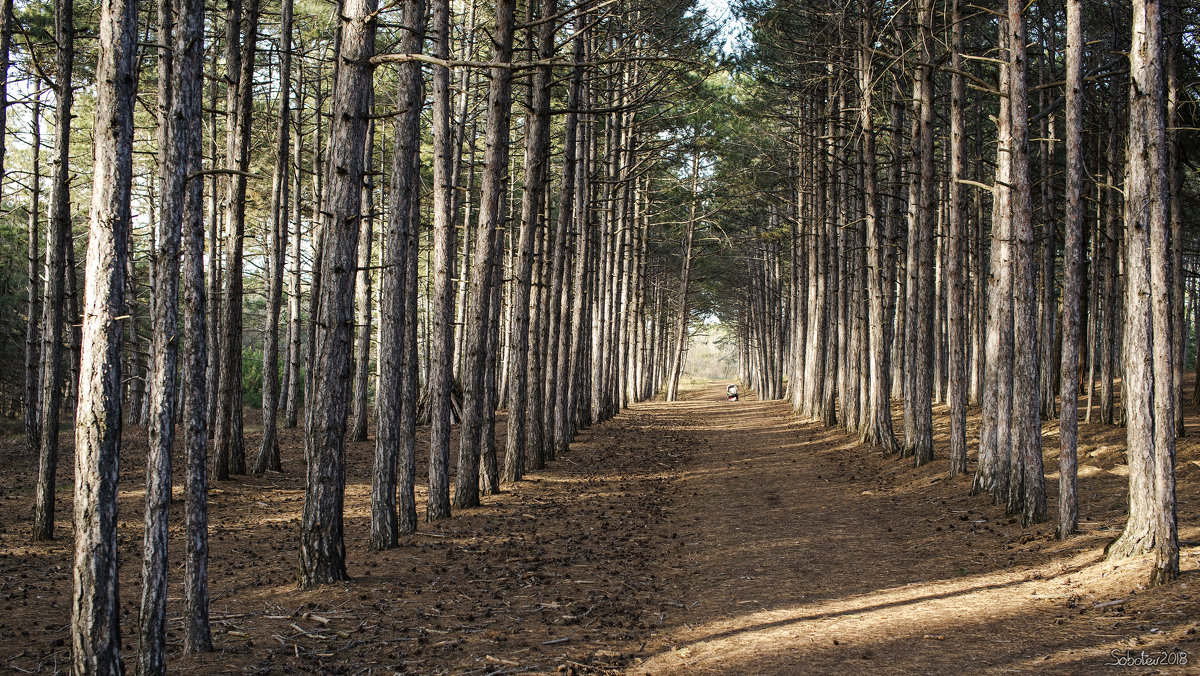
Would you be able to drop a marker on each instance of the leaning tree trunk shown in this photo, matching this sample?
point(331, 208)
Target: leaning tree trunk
point(685, 272)
point(268, 452)
point(58, 239)
point(95, 607)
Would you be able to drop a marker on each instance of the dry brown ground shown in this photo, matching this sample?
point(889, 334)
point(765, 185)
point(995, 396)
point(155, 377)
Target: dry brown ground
point(697, 537)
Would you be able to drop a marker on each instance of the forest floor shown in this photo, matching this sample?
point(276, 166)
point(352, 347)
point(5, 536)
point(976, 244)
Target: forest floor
point(697, 537)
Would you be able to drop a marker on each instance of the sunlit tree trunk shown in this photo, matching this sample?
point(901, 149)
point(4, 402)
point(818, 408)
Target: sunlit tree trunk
point(33, 306)
point(95, 607)
point(685, 270)
point(1068, 503)
point(1148, 381)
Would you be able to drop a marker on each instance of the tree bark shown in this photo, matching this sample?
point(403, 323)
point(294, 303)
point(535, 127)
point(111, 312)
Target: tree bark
point(1026, 488)
point(187, 99)
point(322, 547)
point(363, 299)
point(921, 444)
point(58, 240)
point(152, 623)
point(954, 269)
point(33, 306)
point(394, 349)
point(1148, 381)
point(994, 428)
point(239, 64)
point(291, 376)
point(95, 607)
point(685, 273)
point(477, 329)
point(441, 315)
point(268, 452)
point(879, 430)
point(1068, 502)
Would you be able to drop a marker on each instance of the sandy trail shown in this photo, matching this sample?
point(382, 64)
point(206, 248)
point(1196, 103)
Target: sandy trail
point(806, 553)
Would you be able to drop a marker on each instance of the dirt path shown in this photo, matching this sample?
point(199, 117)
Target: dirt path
point(696, 537)
point(806, 553)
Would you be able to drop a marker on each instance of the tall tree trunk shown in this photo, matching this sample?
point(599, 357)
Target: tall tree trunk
point(1148, 381)
point(95, 607)
point(6, 29)
point(1026, 488)
point(292, 389)
point(33, 297)
point(214, 260)
point(685, 273)
point(489, 471)
point(566, 217)
point(954, 271)
point(363, 299)
point(994, 427)
point(1068, 501)
point(152, 623)
point(239, 63)
point(1109, 334)
point(58, 240)
point(394, 349)
point(1172, 26)
point(921, 444)
point(322, 547)
point(540, 127)
point(476, 397)
point(536, 158)
point(879, 429)
point(268, 452)
point(441, 314)
point(187, 99)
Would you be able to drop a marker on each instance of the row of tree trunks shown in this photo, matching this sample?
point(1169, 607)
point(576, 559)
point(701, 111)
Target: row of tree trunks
point(977, 312)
